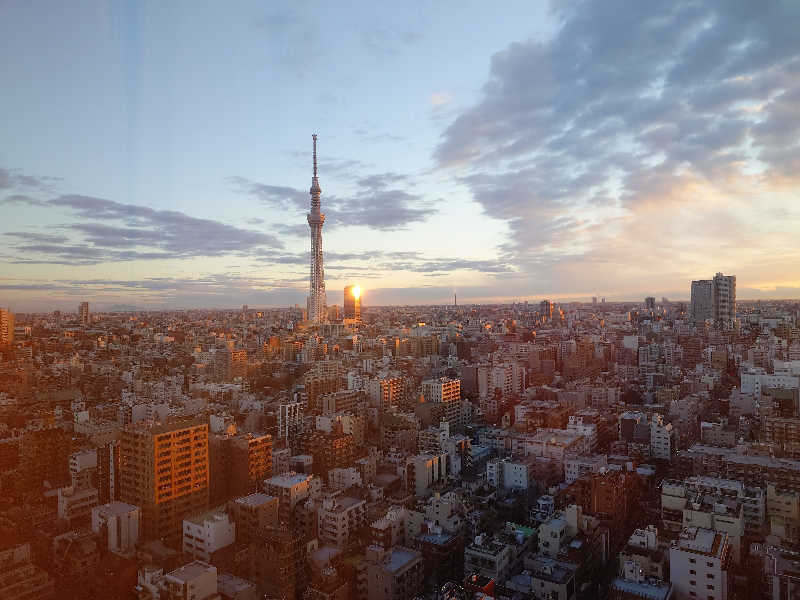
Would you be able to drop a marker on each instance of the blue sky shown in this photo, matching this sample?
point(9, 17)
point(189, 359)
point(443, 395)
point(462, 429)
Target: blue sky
point(158, 154)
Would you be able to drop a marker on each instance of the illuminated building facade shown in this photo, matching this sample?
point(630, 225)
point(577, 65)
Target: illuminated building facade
point(352, 302)
point(164, 471)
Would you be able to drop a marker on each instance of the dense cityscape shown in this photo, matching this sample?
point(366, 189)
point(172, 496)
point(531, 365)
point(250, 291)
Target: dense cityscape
point(635, 450)
point(454, 300)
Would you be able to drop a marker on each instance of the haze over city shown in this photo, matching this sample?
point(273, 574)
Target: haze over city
point(158, 155)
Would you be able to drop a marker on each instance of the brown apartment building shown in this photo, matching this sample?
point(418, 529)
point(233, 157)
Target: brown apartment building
point(164, 471)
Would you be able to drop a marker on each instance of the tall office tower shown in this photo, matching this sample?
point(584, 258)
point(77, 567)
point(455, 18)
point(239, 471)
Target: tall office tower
point(352, 302)
point(650, 303)
point(702, 300)
point(316, 291)
point(724, 300)
point(546, 309)
point(6, 327)
point(164, 471)
point(83, 313)
point(715, 300)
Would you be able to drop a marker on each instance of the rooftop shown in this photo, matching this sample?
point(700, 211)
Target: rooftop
point(257, 499)
point(116, 508)
point(650, 590)
point(702, 541)
point(400, 557)
point(215, 514)
point(288, 480)
point(230, 585)
point(549, 569)
point(191, 571)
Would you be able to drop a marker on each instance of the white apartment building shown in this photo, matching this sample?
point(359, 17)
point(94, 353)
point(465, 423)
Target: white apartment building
point(662, 437)
point(337, 517)
point(424, 471)
point(206, 533)
point(119, 522)
point(699, 560)
point(576, 466)
point(508, 474)
point(341, 479)
point(756, 379)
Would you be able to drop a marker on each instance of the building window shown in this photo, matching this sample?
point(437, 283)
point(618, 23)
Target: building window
point(692, 582)
point(692, 572)
point(691, 560)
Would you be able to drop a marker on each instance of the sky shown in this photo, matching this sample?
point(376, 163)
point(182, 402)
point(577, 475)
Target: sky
point(158, 154)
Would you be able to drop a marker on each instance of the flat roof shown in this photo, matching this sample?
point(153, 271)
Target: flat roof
point(191, 571)
point(116, 508)
point(651, 591)
point(230, 584)
point(400, 557)
point(698, 539)
point(256, 499)
point(290, 479)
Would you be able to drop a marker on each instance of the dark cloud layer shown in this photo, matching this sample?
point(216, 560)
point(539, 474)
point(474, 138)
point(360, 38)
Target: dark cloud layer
point(377, 203)
point(113, 231)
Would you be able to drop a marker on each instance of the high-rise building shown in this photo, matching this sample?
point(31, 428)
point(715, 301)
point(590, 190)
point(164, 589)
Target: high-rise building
point(724, 300)
point(650, 303)
point(546, 309)
point(164, 471)
point(352, 302)
point(83, 313)
point(714, 300)
point(316, 219)
point(6, 327)
point(702, 300)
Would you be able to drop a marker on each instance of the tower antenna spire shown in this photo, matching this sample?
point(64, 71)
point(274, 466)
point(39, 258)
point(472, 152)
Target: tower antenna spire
point(314, 136)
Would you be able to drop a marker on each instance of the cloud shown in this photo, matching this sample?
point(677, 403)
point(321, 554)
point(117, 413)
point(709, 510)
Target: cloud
point(622, 133)
point(377, 203)
point(114, 232)
point(14, 179)
point(439, 99)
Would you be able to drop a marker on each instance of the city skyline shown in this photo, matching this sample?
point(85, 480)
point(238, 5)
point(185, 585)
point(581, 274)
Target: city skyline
point(549, 346)
point(481, 176)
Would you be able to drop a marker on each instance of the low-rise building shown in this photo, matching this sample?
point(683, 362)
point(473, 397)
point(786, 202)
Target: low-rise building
point(204, 534)
point(488, 557)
